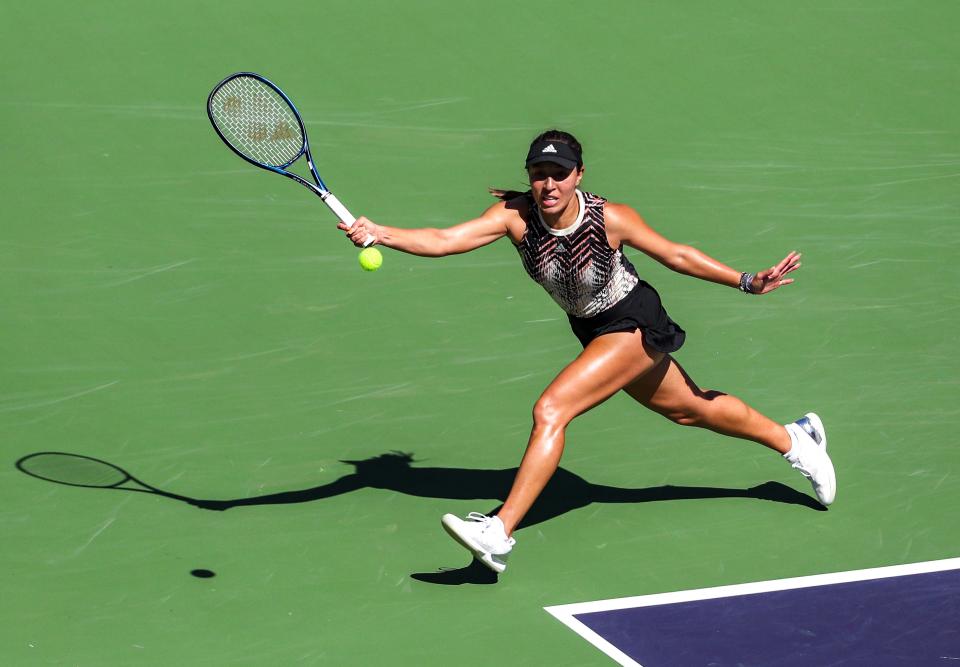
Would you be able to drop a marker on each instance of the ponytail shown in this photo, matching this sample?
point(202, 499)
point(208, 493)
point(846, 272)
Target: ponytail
point(506, 195)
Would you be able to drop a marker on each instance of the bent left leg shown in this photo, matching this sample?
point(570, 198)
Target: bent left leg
point(669, 391)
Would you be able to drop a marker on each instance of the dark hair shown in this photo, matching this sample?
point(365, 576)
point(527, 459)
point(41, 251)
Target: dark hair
point(549, 135)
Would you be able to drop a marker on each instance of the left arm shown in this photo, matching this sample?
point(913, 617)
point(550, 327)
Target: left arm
point(624, 225)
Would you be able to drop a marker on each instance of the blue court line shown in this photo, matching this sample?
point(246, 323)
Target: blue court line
point(898, 615)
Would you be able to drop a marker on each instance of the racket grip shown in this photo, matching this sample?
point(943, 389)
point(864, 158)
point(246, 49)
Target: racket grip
point(341, 212)
point(339, 209)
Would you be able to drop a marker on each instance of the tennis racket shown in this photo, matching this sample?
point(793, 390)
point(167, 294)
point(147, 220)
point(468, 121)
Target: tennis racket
point(88, 472)
point(258, 122)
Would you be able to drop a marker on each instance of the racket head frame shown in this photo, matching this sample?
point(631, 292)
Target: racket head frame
point(319, 188)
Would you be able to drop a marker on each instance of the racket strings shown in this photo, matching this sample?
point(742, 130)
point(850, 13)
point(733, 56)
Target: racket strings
point(257, 121)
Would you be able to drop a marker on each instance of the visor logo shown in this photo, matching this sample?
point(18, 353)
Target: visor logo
point(549, 149)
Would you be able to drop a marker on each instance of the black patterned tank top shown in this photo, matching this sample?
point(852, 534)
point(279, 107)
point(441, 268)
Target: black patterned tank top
point(576, 265)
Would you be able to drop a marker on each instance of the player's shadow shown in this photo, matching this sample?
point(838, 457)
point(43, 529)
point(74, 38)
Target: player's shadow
point(565, 492)
point(394, 471)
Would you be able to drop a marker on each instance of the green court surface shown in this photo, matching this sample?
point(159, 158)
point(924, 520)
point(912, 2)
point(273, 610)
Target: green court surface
point(202, 324)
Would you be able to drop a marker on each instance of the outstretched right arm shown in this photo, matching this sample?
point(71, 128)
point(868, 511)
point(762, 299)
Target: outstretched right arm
point(495, 223)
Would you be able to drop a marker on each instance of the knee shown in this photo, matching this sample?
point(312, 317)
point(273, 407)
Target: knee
point(548, 412)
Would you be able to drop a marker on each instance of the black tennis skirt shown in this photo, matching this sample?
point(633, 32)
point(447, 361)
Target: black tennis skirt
point(640, 309)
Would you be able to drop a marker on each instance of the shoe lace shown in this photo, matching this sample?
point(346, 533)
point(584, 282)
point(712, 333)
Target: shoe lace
point(803, 471)
point(487, 523)
point(808, 470)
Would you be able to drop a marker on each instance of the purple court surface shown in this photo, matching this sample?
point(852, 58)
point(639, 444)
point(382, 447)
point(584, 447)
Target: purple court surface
point(904, 615)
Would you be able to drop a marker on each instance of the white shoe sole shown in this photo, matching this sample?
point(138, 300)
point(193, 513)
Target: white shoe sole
point(451, 523)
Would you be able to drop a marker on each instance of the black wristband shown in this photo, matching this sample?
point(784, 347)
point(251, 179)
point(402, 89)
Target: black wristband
point(746, 283)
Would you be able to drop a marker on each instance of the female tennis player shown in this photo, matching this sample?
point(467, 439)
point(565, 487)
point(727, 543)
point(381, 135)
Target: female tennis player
point(571, 243)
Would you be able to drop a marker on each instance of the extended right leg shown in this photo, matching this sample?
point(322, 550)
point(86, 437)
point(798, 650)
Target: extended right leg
point(669, 391)
point(672, 393)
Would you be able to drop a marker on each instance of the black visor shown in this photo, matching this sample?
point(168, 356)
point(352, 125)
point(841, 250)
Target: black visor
point(553, 151)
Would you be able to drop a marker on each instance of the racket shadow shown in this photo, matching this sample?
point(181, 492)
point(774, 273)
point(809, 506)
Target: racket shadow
point(86, 472)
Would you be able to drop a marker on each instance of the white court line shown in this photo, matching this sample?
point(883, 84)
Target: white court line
point(566, 613)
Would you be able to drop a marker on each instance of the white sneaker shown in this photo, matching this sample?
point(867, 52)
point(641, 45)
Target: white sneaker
point(483, 535)
point(809, 456)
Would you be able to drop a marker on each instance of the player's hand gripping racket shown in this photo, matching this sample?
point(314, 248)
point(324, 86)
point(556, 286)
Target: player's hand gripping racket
point(260, 124)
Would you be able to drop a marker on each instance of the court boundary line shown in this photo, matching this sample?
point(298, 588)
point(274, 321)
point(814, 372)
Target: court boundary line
point(566, 613)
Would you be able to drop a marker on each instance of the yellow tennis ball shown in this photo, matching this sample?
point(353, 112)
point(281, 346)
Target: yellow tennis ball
point(370, 259)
